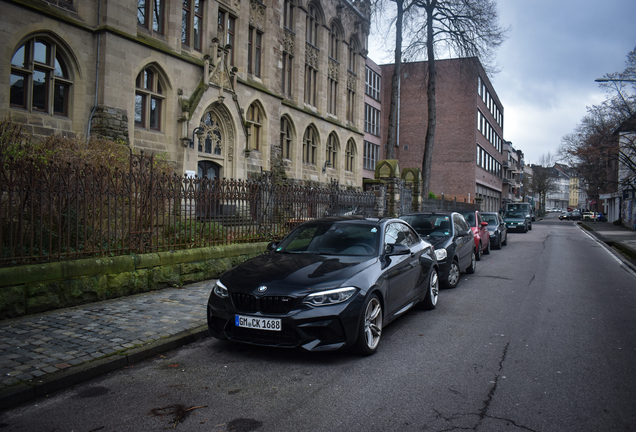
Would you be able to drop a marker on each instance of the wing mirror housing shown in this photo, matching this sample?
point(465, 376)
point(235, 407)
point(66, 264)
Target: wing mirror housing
point(397, 249)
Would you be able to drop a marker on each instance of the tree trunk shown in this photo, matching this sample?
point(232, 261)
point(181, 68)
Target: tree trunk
point(392, 129)
point(427, 160)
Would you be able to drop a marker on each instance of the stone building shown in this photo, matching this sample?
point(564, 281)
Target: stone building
point(468, 153)
point(223, 88)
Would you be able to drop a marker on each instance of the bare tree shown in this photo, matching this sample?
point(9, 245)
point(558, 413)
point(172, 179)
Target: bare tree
point(594, 144)
point(464, 28)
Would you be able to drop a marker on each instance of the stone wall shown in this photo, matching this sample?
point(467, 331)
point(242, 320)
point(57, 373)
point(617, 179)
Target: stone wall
point(110, 123)
point(38, 288)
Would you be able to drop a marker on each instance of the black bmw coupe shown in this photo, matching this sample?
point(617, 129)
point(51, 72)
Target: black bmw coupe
point(331, 283)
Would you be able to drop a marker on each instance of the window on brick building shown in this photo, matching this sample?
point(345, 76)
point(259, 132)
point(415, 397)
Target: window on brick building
point(371, 155)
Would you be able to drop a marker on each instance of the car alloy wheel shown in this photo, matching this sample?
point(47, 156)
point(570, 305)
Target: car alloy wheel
point(370, 326)
point(453, 275)
point(430, 301)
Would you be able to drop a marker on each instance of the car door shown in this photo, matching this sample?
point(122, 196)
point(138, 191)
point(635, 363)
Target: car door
point(465, 243)
point(403, 271)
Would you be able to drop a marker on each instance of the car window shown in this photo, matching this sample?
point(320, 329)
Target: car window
point(470, 218)
point(332, 239)
point(411, 237)
point(460, 223)
point(490, 218)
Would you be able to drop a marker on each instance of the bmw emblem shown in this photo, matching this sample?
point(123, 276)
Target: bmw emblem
point(262, 288)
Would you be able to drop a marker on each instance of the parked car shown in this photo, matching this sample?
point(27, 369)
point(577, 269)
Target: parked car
point(602, 217)
point(480, 233)
point(523, 207)
point(590, 216)
point(575, 215)
point(331, 283)
point(453, 241)
point(517, 220)
point(497, 229)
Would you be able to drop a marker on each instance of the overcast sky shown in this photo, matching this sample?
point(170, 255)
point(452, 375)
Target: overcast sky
point(555, 51)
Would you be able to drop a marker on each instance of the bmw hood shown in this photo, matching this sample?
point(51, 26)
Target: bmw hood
point(284, 274)
point(438, 242)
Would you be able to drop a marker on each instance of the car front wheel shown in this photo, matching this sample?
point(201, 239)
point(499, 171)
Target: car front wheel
point(487, 249)
point(478, 252)
point(370, 326)
point(430, 301)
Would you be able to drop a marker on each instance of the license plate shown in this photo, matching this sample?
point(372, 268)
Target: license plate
point(273, 324)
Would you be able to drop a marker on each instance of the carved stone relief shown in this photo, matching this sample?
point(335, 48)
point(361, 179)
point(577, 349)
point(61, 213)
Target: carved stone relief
point(257, 14)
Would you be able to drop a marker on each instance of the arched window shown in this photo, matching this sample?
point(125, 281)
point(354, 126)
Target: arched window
point(334, 41)
point(254, 121)
point(350, 156)
point(331, 153)
point(312, 25)
point(286, 137)
point(352, 55)
point(148, 100)
point(213, 138)
point(310, 142)
point(40, 79)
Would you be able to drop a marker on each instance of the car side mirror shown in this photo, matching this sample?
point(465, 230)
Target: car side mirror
point(397, 249)
point(272, 245)
point(483, 224)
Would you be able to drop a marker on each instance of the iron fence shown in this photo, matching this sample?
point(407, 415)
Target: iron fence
point(51, 212)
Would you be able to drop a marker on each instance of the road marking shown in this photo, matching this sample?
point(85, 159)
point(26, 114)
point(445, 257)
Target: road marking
point(609, 251)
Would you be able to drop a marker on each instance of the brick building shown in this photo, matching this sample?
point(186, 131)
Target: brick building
point(223, 88)
point(468, 153)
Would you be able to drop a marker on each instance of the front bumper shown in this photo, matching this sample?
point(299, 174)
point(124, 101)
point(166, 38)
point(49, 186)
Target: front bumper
point(324, 328)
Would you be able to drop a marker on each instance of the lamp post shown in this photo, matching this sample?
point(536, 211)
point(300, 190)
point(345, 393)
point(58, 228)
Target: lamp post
point(199, 131)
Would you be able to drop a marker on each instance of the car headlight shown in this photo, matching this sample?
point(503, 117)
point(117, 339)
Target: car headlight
point(440, 254)
point(220, 290)
point(330, 297)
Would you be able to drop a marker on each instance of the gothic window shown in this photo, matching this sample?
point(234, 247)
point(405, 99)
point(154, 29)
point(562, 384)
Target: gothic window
point(148, 100)
point(352, 56)
point(40, 79)
point(212, 143)
point(150, 15)
point(226, 32)
point(254, 50)
point(331, 153)
point(288, 14)
point(350, 156)
point(286, 137)
point(254, 121)
point(288, 61)
point(334, 41)
point(312, 24)
point(310, 143)
point(192, 23)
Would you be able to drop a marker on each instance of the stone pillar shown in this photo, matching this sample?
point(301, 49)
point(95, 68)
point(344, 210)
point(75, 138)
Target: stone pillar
point(388, 170)
point(413, 179)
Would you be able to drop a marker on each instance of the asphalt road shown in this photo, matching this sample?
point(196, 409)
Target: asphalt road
point(541, 338)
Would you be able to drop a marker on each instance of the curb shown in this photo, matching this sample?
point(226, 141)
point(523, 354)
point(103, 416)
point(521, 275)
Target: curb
point(24, 392)
point(619, 249)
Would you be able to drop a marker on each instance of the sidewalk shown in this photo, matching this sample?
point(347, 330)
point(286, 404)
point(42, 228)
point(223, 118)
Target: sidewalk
point(621, 239)
point(43, 353)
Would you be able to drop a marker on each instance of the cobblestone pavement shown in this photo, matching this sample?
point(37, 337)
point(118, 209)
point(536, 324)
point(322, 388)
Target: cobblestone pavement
point(36, 345)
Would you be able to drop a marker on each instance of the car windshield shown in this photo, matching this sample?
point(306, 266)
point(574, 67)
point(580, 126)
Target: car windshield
point(514, 214)
point(470, 218)
point(491, 219)
point(430, 225)
point(339, 238)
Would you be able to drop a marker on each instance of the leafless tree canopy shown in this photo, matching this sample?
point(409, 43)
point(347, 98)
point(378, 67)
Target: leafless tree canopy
point(593, 145)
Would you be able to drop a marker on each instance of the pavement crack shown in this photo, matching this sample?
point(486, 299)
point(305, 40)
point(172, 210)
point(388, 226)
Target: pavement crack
point(484, 410)
point(531, 280)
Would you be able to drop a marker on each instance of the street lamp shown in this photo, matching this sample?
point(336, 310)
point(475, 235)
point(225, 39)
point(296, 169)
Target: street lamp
point(199, 131)
point(614, 80)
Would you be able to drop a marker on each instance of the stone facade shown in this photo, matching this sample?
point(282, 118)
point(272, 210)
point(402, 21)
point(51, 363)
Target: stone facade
point(116, 71)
